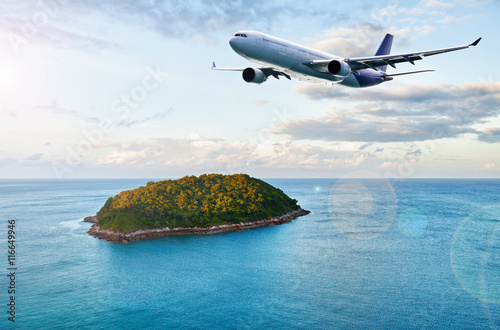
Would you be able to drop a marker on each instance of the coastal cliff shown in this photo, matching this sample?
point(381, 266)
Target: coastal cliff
point(193, 205)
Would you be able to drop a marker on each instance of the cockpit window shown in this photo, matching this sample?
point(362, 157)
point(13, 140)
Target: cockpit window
point(240, 35)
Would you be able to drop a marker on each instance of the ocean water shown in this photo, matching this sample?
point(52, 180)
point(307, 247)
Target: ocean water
point(405, 254)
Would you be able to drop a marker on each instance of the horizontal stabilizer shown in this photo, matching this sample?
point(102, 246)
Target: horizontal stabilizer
point(412, 72)
point(388, 77)
point(214, 67)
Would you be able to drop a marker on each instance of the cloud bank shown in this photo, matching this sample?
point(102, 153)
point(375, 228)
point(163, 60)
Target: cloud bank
point(202, 153)
point(400, 114)
point(84, 24)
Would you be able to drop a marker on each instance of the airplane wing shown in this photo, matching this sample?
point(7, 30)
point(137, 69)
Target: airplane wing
point(268, 71)
point(359, 63)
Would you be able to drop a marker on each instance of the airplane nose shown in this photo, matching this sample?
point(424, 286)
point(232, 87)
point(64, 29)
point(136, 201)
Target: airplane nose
point(237, 44)
point(232, 42)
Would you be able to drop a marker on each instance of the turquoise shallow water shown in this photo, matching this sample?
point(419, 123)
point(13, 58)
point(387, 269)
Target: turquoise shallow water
point(372, 254)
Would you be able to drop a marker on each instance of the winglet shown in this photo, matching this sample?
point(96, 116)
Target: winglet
point(213, 65)
point(476, 42)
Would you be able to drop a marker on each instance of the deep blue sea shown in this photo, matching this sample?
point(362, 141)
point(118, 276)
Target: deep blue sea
point(374, 254)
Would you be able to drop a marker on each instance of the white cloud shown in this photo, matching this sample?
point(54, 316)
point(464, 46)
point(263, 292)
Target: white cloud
point(451, 20)
point(216, 155)
point(405, 113)
point(436, 4)
point(421, 19)
point(85, 24)
point(362, 39)
point(425, 29)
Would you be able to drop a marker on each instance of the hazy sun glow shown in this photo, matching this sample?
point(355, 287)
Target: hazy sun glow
point(85, 92)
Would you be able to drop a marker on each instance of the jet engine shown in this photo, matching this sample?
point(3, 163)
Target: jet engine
point(339, 69)
point(254, 75)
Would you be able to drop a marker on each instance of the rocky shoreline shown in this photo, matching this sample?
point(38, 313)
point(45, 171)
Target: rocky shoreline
point(136, 235)
point(91, 219)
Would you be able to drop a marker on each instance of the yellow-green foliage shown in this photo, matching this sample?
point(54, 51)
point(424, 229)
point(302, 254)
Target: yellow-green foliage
point(191, 201)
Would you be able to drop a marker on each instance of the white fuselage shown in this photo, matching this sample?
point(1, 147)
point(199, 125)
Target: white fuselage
point(288, 57)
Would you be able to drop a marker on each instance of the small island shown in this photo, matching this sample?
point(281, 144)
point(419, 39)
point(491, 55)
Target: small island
point(206, 204)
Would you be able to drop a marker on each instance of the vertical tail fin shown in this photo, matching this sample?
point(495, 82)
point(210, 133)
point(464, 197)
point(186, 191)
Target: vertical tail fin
point(385, 49)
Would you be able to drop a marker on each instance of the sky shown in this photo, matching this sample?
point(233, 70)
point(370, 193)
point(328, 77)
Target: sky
point(123, 89)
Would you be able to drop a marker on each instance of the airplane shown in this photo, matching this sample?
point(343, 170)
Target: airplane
point(284, 58)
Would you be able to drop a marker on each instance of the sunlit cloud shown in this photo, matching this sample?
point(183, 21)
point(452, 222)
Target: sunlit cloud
point(488, 167)
point(199, 153)
point(491, 135)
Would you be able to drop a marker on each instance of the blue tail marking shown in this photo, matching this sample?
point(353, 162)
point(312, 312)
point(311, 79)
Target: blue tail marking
point(385, 49)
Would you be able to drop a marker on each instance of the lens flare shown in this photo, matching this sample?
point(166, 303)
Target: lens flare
point(412, 222)
point(362, 208)
point(475, 254)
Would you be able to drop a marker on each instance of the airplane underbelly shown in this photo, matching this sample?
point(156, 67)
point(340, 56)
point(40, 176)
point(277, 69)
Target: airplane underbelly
point(350, 81)
point(304, 73)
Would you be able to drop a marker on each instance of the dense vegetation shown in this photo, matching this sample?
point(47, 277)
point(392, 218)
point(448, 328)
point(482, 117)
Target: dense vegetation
point(194, 202)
